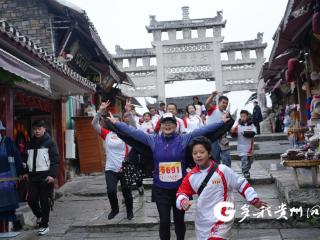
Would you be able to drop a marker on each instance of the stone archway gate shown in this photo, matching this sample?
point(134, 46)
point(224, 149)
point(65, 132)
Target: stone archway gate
point(191, 58)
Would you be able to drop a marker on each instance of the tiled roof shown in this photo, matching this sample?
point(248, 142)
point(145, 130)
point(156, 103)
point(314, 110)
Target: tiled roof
point(118, 75)
point(34, 48)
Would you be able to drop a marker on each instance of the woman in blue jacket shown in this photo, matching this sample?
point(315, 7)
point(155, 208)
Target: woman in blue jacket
point(169, 150)
point(10, 168)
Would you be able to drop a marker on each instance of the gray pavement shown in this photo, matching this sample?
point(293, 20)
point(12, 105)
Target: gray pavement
point(237, 234)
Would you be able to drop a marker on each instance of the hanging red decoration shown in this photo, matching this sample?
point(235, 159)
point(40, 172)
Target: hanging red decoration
point(294, 70)
point(289, 77)
point(294, 65)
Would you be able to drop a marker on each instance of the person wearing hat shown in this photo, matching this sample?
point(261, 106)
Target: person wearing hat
point(42, 169)
point(173, 109)
point(10, 168)
point(169, 156)
point(257, 116)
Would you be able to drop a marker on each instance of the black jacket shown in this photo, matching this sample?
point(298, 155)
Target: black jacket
point(247, 134)
point(43, 158)
point(249, 122)
point(257, 115)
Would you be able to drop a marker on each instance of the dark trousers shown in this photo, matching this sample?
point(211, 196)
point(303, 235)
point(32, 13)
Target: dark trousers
point(257, 125)
point(112, 179)
point(148, 167)
point(246, 162)
point(40, 192)
point(139, 183)
point(166, 200)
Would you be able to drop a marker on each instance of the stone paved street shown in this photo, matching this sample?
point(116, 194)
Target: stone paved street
point(81, 211)
point(242, 234)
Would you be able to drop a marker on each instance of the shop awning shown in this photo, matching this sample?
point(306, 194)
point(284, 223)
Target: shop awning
point(22, 69)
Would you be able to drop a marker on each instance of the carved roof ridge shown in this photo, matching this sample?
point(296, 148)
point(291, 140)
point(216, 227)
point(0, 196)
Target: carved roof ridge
point(214, 19)
point(138, 49)
point(191, 23)
point(93, 32)
point(246, 44)
point(133, 52)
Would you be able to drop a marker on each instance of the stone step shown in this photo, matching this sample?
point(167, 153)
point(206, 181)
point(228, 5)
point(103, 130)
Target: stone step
point(237, 234)
point(266, 150)
point(307, 195)
point(233, 146)
point(259, 156)
point(268, 137)
point(149, 225)
point(146, 215)
point(147, 219)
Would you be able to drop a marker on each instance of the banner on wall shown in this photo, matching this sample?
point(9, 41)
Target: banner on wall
point(34, 102)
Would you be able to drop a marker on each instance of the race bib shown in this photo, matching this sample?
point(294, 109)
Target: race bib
point(170, 171)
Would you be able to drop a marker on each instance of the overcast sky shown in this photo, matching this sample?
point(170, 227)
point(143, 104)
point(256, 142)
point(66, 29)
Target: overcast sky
point(123, 22)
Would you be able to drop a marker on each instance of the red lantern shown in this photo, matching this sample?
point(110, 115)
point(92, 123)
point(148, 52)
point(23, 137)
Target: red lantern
point(294, 70)
point(294, 66)
point(289, 77)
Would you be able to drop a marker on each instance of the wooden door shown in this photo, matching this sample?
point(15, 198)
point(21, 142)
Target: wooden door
point(90, 146)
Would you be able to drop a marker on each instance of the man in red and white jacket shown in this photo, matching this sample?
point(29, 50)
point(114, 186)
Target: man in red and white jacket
point(219, 189)
point(221, 147)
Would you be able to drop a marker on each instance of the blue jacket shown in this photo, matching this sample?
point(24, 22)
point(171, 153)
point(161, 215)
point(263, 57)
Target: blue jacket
point(9, 197)
point(168, 152)
point(10, 150)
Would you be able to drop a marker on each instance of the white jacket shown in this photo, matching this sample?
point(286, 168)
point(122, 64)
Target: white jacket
point(219, 189)
point(147, 127)
point(245, 146)
point(42, 159)
point(192, 122)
